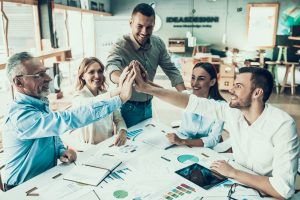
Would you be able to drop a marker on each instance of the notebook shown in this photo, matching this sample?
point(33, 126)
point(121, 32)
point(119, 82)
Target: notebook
point(201, 176)
point(94, 170)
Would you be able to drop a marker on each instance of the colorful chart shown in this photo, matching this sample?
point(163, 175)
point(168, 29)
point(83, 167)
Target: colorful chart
point(179, 191)
point(120, 194)
point(187, 157)
point(119, 174)
point(133, 134)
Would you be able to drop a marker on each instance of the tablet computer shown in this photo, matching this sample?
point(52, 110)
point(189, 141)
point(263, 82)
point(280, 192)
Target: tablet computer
point(201, 176)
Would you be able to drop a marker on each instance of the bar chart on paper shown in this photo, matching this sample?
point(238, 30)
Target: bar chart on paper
point(133, 134)
point(117, 175)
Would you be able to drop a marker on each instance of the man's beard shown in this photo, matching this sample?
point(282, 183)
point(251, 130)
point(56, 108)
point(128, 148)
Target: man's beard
point(244, 104)
point(44, 93)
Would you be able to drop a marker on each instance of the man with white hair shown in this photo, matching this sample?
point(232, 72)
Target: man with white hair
point(31, 130)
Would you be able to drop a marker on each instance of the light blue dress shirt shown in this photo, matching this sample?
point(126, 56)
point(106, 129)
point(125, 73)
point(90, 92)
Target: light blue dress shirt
point(195, 126)
point(31, 134)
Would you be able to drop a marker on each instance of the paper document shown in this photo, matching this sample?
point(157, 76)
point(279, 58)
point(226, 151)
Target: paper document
point(104, 161)
point(93, 170)
point(87, 175)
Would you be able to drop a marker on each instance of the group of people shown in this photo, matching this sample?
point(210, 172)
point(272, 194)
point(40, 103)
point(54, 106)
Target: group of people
point(263, 138)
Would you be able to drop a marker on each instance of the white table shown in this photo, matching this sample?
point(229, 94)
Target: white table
point(144, 173)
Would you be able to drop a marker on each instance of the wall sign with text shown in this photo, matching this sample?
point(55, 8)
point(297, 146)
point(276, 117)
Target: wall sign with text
point(197, 22)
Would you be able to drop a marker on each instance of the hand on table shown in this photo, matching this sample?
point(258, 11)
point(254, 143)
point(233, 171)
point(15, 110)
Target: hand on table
point(223, 168)
point(121, 138)
point(68, 156)
point(174, 139)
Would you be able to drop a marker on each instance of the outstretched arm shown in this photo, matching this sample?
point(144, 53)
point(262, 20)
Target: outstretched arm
point(172, 97)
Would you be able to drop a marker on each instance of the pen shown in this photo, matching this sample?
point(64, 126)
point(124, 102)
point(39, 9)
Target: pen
point(172, 145)
point(165, 159)
point(57, 175)
point(111, 145)
point(204, 155)
point(107, 154)
point(32, 194)
point(31, 190)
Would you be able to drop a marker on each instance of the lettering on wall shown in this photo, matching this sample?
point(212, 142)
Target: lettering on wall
point(197, 22)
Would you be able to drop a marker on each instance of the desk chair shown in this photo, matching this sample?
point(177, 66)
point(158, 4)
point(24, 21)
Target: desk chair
point(289, 68)
point(273, 65)
point(273, 68)
point(282, 52)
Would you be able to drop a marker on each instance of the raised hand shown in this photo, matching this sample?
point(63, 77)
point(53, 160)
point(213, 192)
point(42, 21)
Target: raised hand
point(140, 84)
point(123, 76)
point(143, 71)
point(126, 89)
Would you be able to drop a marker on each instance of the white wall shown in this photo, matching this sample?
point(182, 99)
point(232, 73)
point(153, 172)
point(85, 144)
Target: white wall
point(236, 29)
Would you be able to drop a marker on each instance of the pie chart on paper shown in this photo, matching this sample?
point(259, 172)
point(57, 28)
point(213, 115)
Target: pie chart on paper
point(188, 158)
point(120, 194)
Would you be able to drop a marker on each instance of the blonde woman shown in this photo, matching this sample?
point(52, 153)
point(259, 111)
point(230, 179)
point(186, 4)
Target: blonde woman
point(91, 86)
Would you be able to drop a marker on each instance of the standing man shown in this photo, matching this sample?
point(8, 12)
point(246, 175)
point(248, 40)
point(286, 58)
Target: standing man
point(150, 51)
point(264, 138)
point(31, 130)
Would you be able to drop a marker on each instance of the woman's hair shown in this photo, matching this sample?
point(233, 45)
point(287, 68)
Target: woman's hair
point(83, 67)
point(213, 92)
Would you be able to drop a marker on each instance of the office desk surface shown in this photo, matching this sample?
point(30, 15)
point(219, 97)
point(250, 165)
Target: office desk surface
point(147, 172)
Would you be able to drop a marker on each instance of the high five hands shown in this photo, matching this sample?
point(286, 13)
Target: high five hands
point(125, 84)
point(137, 74)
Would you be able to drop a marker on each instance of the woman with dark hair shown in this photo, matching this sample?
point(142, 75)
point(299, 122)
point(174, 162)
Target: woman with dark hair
point(196, 130)
point(91, 86)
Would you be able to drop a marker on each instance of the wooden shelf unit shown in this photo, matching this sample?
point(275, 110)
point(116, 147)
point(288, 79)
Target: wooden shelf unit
point(59, 54)
point(64, 7)
point(177, 45)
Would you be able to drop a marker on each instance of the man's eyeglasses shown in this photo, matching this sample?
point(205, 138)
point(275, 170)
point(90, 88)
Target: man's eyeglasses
point(38, 75)
point(233, 187)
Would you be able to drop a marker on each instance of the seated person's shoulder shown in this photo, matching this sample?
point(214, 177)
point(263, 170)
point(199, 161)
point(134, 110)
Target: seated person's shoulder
point(277, 115)
point(280, 123)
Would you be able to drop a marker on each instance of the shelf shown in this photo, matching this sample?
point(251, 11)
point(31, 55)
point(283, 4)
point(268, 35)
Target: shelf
point(29, 2)
point(294, 37)
point(59, 54)
point(63, 7)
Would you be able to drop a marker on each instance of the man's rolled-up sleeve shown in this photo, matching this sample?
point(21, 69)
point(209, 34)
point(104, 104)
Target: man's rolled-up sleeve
point(285, 162)
point(115, 61)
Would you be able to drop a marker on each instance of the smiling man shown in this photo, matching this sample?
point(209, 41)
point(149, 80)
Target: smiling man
point(31, 130)
point(150, 51)
point(264, 138)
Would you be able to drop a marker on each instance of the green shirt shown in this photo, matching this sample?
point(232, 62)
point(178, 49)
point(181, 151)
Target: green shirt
point(154, 53)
